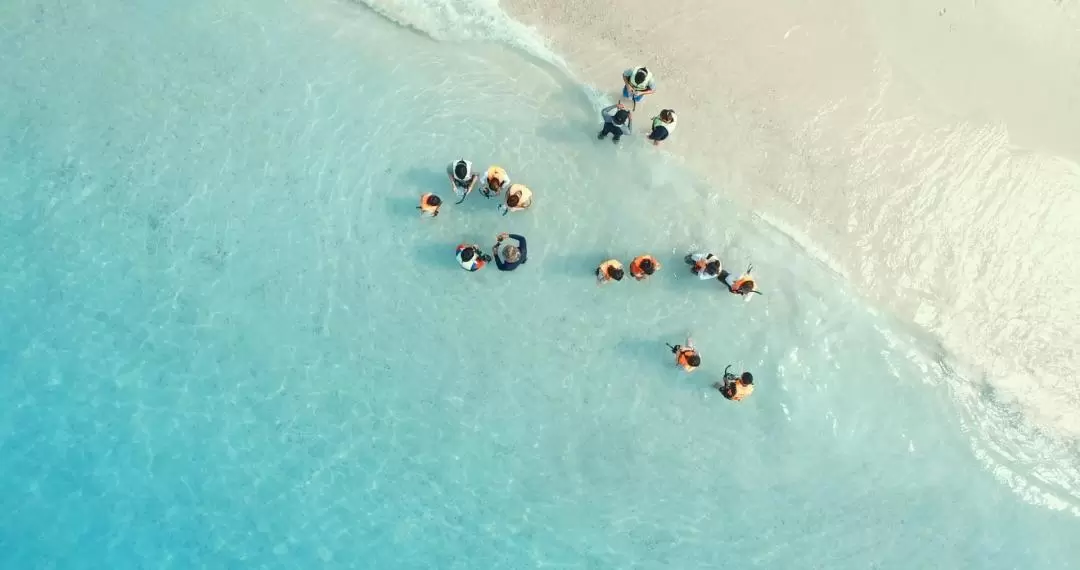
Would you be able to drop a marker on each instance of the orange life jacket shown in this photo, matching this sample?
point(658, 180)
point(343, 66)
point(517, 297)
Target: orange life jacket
point(683, 359)
point(743, 280)
point(426, 208)
point(635, 266)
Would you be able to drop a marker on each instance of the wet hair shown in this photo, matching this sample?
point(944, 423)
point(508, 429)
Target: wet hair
point(647, 266)
point(747, 286)
point(621, 116)
point(511, 253)
point(433, 200)
point(693, 360)
point(615, 273)
point(667, 115)
point(513, 200)
point(641, 75)
point(712, 267)
point(461, 170)
point(468, 253)
point(747, 378)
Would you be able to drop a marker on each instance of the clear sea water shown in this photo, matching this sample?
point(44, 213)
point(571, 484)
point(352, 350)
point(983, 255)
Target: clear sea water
point(228, 341)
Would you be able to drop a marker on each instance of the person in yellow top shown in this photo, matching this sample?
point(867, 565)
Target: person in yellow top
point(494, 181)
point(429, 205)
point(686, 355)
point(736, 388)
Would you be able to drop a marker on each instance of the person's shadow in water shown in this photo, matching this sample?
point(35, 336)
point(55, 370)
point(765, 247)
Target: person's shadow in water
point(438, 255)
point(580, 264)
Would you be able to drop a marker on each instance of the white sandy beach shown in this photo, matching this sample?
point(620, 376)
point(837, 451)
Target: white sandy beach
point(928, 150)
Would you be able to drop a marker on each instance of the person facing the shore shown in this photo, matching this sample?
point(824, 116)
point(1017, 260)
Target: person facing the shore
point(736, 388)
point(744, 285)
point(704, 265)
point(470, 258)
point(512, 255)
point(429, 205)
point(637, 83)
point(643, 266)
point(610, 270)
point(686, 355)
point(518, 198)
point(494, 181)
point(462, 177)
point(662, 126)
point(617, 122)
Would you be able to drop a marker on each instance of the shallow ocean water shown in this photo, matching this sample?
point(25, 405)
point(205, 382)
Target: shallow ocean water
point(230, 342)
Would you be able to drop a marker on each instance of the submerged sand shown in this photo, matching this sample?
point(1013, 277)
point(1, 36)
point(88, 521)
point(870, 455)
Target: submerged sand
point(927, 150)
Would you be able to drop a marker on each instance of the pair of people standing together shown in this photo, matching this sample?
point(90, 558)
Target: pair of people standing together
point(618, 121)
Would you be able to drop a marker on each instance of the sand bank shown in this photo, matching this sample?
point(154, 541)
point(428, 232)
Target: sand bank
point(928, 151)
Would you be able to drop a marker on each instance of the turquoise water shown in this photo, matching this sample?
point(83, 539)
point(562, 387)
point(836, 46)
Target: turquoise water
point(229, 342)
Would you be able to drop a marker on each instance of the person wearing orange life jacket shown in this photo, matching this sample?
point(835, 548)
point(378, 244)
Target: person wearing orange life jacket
point(704, 265)
point(643, 266)
point(686, 355)
point(429, 205)
point(495, 180)
point(734, 387)
point(745, 284)
point(610, 270)
point(470, 257)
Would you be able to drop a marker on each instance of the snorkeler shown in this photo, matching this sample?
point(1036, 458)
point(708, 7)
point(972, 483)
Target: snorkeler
point(518, 198)
point(429, 205)
point(662, 126)
point(462, 178)
point(704, 265)
point(686, 355)
point(744, 285)
point(637, 83)
point(617, 123)
point(643, 266)
point(470, 257)
point(512, 255)
point(736, 388)
point(495, 179)
point(610, 270)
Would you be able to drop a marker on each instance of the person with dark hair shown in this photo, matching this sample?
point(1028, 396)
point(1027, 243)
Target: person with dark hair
point(462, 178)
point(662, 126)
point(512, 255)
point(637, 83)
point(643, 266)
point(610, 270)
point(518, 198)
point(470, 257)
point(743, 286)
point(429, 205)
point(616, 122)
point(686, 355)
point(734, 387)
point(704, 265)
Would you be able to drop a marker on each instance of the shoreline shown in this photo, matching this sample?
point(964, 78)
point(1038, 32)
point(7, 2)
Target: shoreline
point(830, 130)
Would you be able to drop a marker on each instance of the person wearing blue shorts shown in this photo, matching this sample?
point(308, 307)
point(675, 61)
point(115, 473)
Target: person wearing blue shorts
point(637, 83)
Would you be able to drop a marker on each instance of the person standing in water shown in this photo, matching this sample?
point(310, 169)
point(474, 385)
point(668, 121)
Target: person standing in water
point(495, 180)
point(617, 122)
point(736, 387)
point(686, 356)
point(637, 83)
point(704, 265)
point(518, 198)
point(462, 178)
point(744, 285)
point(470, 257)
point(608, 271)
point(512, 255)
point(643, 266)
point(429, 205)
point(662, 126)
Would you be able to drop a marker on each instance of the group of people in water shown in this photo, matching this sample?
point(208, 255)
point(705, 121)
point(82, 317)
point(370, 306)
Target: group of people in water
point(618, 121)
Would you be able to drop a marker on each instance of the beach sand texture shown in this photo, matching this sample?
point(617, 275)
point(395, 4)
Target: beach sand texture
point(927, 151)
